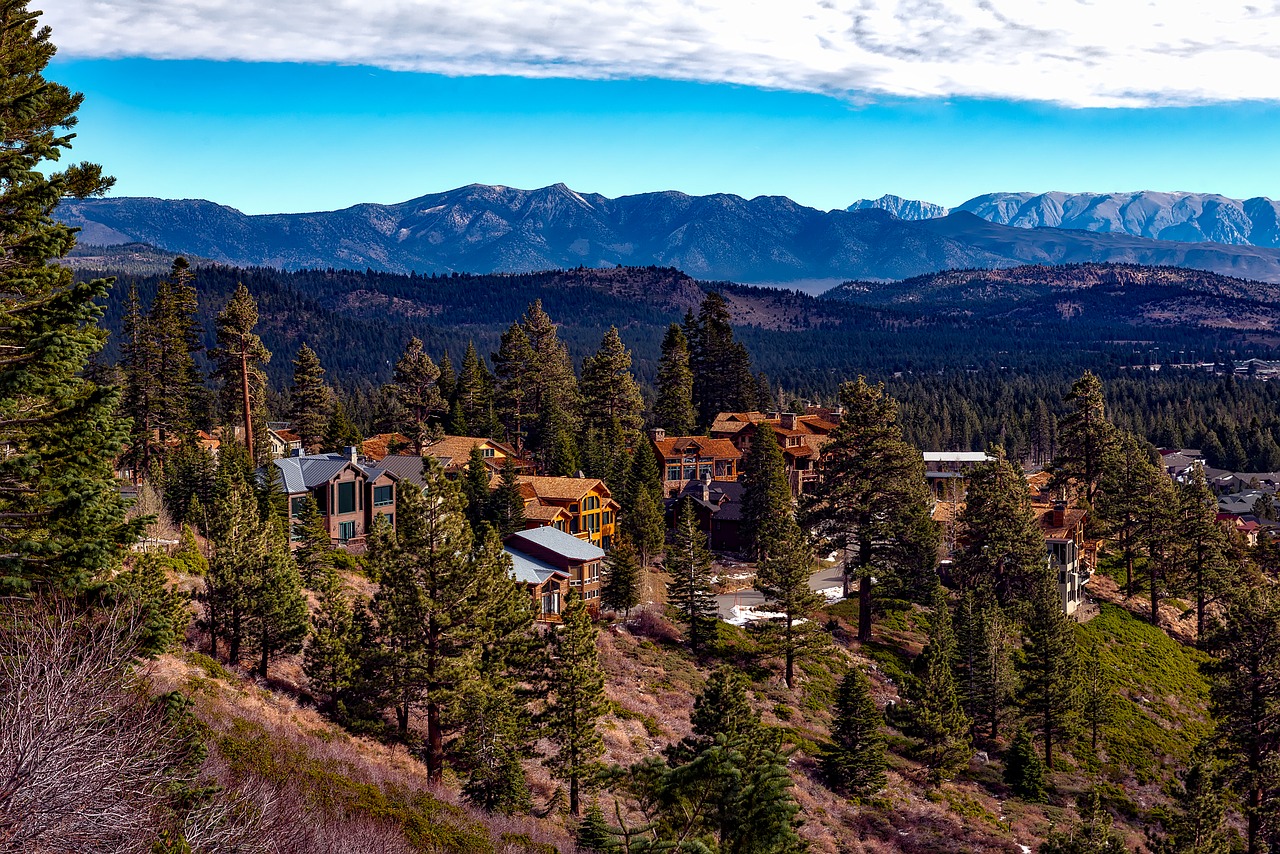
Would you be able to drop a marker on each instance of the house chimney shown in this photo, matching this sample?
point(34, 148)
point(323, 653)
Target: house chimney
point(658, 434)
point(788, 420)
point(352, 453)
point(1059, 514)
point(299, 452)
point(706, 486)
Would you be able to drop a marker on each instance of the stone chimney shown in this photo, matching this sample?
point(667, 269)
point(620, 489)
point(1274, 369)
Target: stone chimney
point(788, 420)
point(1059, 514)
point(706, 486)
point(658, 434)
point(352, 453)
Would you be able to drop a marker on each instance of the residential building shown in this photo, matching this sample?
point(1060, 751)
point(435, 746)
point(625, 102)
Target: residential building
point(718, 507)
point(1069, 555)
point(453, 452)
point(283, 442)
point(690, 459)
point(590, 512)
point(801, 438)
point(552, 564)
point(948, 472)
point(351, 492)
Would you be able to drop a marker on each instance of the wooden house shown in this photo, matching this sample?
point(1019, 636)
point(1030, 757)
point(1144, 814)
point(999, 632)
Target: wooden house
point(718, 507)
point(1063, 530)
point(801, 438)
point(351, 492)
point(691, 459)
point(552, 563)
point(590, 512)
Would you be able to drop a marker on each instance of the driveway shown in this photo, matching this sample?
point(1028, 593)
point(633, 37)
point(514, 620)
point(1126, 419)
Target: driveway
point(828, 576)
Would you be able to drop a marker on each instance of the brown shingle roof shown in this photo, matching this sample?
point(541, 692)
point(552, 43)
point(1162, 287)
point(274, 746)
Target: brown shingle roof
point(453, 451)
point(536, 511)
point(718, 448)
point(1073, 518)
point(379, 446)
point(562, 488)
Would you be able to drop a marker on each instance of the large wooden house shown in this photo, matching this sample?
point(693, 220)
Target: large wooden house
point(801, 438)
point(552, 563)
point(1068, 555)
point(580, 506)
point(351, 492)
point(690, 459)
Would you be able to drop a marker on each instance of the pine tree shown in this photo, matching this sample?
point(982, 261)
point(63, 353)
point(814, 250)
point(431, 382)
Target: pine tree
point(278, 608)
point(783, 580)
point(341, 432)
point(1001, 547)
point(1097, 700)
point(722, 709)
point(1162, 540)
point(314, 554)
point(622, 582)
point(556, 448)
point(872, 500)
point(163, 612)
point(140, 403)
point(188, 480)
point(853, 764)
point(490, 750)
point(240, 542)
point(594, 834)
point(310, 400)
point(178, 337)
point(414, 386)
point(722, 378)
point(688, 563)
point(506, 502)
point(1049, 697)
point(1086, 439)
point(673, 411)
point(475, 487)
point(447, 382)
point(609, 391)
point(767, 508)
point(1093, 835)
point(1243, 696)
point(1196, 823)
point(514, 399)
point(933, 712)
point(426, 605)
point(239, 356)
point(642, 513)
point(985, 640)
point(552, 377)
point(331, 657)
point(1128, 490)
point(474, 395)
point(577, 702)
point(64, 517)
point(1204, 568)
point(1024, 770)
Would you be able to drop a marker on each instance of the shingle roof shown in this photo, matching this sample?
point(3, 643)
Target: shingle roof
point(570, 488)
point(379, 446)
point(559, 542)
point(530, 570)
point(539, 512)
point(677, 445)
point(453, 451)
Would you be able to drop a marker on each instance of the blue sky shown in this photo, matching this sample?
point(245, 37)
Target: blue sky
point(343, 123)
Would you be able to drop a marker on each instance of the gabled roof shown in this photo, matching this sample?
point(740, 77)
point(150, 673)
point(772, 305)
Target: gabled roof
point(404, 467)
point(305, 473)
point(379, 446)
point(530, 570)
point(562, 488)
point(453, 451)
point(555, 540)
point(679, 445)
point(536, 511)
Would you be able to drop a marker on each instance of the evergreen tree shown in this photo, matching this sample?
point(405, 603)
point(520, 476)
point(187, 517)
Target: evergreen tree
point(331, 656)
point(577, 702)
point(506, 502)
point(1128, 490)
point(413, 385)
point(278, 608)
point(1162, 539)
point(594, 834)
point(475, 487)
point(64, 517)
point(783, 580)
point(554, 441)
point(933, 713)
point(623, 584)
point(642, 513)
point(767, 509)
point(1001, 547)
point(447, 382)
point(985, 639)
point(722, 378)
point(341, 432)
point(490, 750)
point(163, 611)
point(314, 554)
point(514, 399)
point(178, 337)
point(1204, 567)
point(240, 542)
point(239, 357)
point(552, 377)
point(426, 606)
point(1024, 770)
point(1244, 696)
point(1086, 439)
point(474, 395)
point(872, 501)
point(310, 400)
point(1196, 823)
point(188, 480)
point(688, 563)
point(673, 411)
point(853, 764)
point(1093, 835)
point(722, 709)
point(140, 403)
point(609, 391)
point(1048, 696)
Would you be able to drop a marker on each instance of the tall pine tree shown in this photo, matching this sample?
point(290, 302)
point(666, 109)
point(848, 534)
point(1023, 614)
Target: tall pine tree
point(767, 509)
point(854, 764)
point(1049, 695)
point(609, 391)
point(933, 713)
point(673, 410)
point(783, 579)
point(688, 564)
point(240, 355)
point(310, 400)
point(1086, 439)
point(1001, 548)
point(577, 701)
point(414, 387)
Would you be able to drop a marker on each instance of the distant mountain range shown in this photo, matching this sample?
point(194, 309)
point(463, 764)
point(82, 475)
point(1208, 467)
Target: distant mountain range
point(1182, 217)
point(773, 239)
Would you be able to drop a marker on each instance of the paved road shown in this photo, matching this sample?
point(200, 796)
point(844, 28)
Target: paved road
point(828, 576)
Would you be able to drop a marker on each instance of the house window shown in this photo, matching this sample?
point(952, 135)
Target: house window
point(347, 497)
point(673, 472)
point(487, 452)
point(383, 496)
point(550, 599)
point(559, 526)
point(297, 506)
point(593, 571)
point(573, 525)
point(592, 503)
point(593, 523)
point(608, 517)
point(346, 531)
point(573, 508)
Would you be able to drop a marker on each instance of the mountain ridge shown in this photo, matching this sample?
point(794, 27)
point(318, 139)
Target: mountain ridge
point(488, 228)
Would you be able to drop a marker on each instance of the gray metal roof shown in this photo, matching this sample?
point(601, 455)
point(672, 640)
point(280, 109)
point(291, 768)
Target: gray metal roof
point(404, 467)
point(305, 473)
point(530, 570)
point(561, 543)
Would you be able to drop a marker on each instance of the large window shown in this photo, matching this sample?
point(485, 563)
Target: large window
point(346, 531)
point(297, 506)
point(347, 497)
point(673, 472)
point(383, 496)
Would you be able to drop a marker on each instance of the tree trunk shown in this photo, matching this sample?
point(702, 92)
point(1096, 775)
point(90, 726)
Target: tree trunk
point(791, 655)
point(1048, 741)
point(435, 743)
point(1201, 603)
point(248, 414)
point(266, 653)
point(864, 608)
point(402, 717)
point(1128, 573)
point(574, 808)
point(1155, 600)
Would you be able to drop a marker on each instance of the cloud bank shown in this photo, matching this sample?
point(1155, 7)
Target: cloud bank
point(1076, 53)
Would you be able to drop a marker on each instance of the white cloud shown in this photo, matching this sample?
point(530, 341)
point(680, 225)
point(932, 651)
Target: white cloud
point(1080, 53)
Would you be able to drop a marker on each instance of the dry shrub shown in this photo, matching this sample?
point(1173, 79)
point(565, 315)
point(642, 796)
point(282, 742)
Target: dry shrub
point(650, 623)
